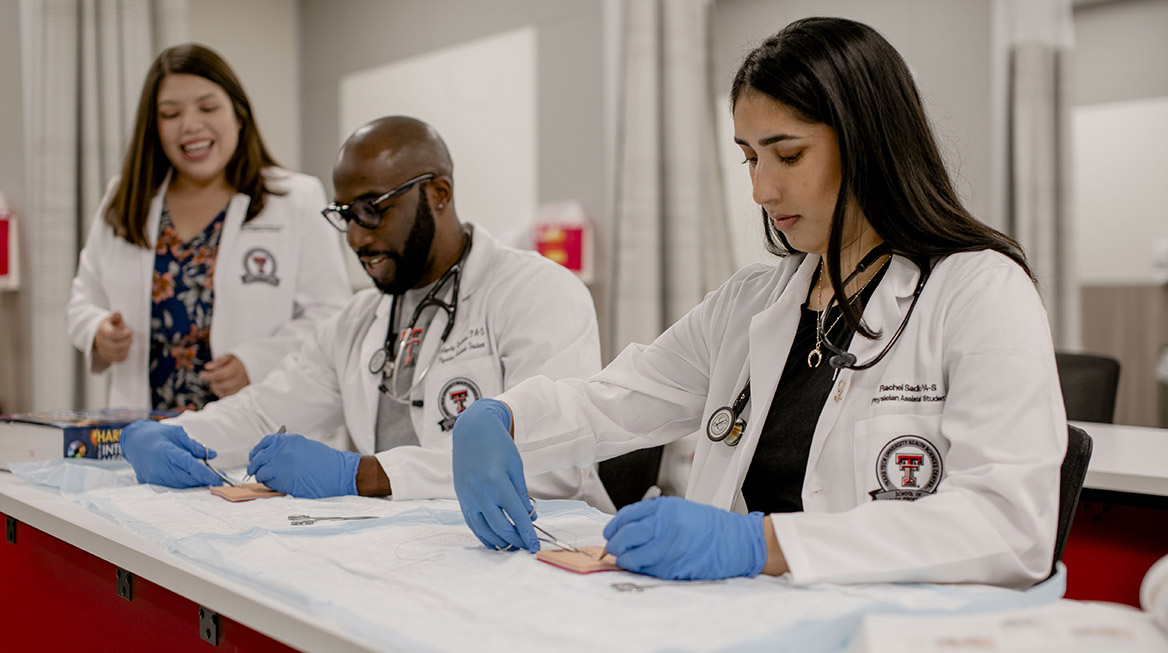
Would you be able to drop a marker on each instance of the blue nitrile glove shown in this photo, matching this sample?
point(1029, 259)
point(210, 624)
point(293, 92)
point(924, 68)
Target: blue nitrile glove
point(488, 478)
point(295, 465)
point(669, 537)
point(163, 454)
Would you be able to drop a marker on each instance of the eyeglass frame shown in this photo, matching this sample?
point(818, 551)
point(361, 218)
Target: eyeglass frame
point(344, 210)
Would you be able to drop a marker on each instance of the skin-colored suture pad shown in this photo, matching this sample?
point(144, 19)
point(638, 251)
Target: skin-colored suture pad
point(245, 492)
point(591, 559)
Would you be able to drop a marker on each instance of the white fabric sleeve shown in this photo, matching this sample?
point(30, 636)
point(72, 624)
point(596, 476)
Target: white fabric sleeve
point(88, 302)
point(303, 394)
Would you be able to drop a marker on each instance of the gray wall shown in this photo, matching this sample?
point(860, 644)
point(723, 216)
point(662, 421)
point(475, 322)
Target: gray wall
point(14, 371)
point(338, 37)
point(947, 44)
point(1121, 51)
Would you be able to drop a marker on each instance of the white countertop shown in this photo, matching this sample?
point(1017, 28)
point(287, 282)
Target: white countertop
point(1127, 458)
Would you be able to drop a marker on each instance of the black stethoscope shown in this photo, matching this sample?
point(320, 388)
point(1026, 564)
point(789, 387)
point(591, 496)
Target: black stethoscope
point(726, 424)
point(386, 355)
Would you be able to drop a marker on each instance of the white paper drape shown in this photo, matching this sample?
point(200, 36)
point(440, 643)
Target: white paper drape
point(84, 66)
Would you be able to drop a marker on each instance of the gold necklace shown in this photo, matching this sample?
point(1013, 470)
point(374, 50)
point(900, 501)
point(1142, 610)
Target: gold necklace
point(815, 356)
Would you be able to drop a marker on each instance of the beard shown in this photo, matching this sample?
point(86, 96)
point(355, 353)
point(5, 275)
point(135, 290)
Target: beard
point(411, 263)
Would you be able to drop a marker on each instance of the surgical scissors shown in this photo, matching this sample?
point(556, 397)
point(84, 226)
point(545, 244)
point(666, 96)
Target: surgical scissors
point(305, 520)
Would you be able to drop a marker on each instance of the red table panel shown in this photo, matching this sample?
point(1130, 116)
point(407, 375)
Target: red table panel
point(58, 597)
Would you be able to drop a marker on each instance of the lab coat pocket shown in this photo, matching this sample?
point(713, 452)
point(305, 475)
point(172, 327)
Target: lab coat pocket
point(899, 457)
point(452, 387)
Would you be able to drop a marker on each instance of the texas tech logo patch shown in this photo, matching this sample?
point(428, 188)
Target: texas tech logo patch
point(456, 396)
point(259, 266)
point(908, 468)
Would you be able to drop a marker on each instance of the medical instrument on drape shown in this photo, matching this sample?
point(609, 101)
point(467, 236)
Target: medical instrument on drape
point(634, 588)
point(305, 520)
point(547, 537)
point(843, 359)
point(386, 355)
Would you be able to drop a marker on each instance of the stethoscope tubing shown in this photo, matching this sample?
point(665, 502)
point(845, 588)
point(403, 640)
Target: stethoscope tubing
point(381, 357)
point(726, 424)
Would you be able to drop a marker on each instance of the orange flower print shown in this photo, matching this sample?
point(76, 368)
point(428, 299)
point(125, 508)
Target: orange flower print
point(167, 240)
point(184, 357)
point(163, 287)
point(202, 257)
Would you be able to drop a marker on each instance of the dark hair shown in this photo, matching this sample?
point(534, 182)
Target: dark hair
point(145, 165)
point(845, 75)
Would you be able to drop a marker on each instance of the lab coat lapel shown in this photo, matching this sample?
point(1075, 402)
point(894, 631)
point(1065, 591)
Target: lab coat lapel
point(771, 333)
point(883, 315)
point(477, 262)
point(364, 420)
point(137, 315)
point(227, 267)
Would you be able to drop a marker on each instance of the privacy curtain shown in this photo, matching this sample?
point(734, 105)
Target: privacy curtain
point(85, 61)
point(1039, 42)
point(670, 238)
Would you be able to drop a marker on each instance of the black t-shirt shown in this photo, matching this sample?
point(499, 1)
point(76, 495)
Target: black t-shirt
point(774, 482)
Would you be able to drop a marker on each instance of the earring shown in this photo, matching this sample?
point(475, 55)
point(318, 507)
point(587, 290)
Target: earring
point(441, 206)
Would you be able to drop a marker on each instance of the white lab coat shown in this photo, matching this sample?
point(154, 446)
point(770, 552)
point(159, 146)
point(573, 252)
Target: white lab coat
point(519, 315)
point(973, 374)
point(260, 313)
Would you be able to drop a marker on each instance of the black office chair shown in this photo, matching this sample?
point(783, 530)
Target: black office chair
point(1071, 477)
point(1089, 383)
point(628, 476)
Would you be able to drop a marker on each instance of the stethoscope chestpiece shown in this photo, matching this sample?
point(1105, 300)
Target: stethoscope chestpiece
point(725, 426)
point(378, 361)
point(720, 424)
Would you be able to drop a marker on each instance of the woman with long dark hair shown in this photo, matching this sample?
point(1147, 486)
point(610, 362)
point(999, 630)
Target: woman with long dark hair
point(879, 405)
point(207, 262)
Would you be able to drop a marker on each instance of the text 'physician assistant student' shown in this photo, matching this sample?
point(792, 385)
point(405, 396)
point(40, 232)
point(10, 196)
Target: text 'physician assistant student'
point(455, 316)
point(919, 444)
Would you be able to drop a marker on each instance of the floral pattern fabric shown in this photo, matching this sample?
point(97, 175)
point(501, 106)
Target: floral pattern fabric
point(180, 320)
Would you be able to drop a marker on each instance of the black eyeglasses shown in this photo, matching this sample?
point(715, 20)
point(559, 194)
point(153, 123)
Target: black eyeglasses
point(367, 213)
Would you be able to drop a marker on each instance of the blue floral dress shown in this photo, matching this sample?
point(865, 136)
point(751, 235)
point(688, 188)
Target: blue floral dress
point(180, 319)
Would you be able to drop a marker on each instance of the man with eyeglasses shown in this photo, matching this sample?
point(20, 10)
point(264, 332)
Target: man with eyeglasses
point(455, 317)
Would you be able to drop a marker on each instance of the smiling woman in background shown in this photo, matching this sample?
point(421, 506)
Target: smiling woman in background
point(206, 262)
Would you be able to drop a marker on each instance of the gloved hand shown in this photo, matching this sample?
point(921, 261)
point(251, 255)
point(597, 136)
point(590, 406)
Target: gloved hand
point(488, 478)
point(164, 454)
point(295, 465)
point(669, 537)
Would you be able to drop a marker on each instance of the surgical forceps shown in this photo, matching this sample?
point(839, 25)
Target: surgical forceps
point(218, 473)
point(547, 537)
point(305, 520)
point(634, 588)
